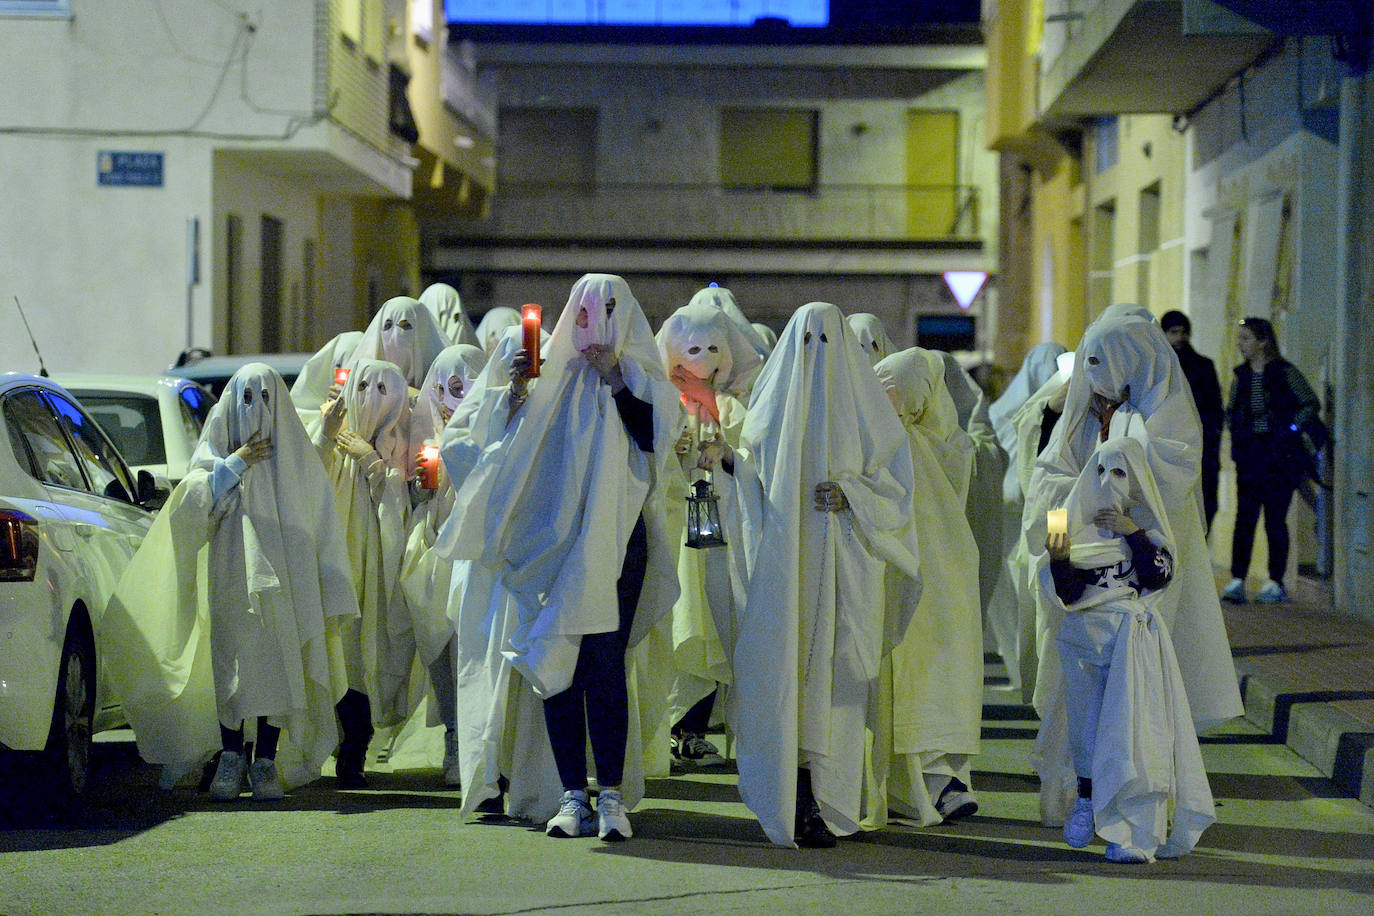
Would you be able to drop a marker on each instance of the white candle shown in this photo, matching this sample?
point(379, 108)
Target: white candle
point(1057, 521)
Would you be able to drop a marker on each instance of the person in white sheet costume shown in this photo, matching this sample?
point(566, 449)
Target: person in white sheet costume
point(767, 335)
point(928, 709)
point(236, 587)
point(363, 443)
point(505, 760)
point(713, 356)
point(824, 482)
point(425, 577)
point(872, 336)
point(1029, 427)
point(1010, 611)
point(1131, 738)
point(1127, 382)
point(989, 465)
point(446, 307)
point(404, 332)
point(316, 384)
point(493, 325)
point(569, 510)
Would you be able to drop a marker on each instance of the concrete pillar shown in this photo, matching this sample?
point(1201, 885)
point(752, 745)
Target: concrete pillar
point(1354, 375)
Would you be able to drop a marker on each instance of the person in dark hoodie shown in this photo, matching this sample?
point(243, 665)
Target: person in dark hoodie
point(1201, 373)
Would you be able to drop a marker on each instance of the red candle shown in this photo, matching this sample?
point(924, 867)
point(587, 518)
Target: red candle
point(341, 376)
point(529, 322)
point(429, 461)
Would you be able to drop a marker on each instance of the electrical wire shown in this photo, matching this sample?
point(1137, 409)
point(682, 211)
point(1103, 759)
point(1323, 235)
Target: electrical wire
point(238, 53)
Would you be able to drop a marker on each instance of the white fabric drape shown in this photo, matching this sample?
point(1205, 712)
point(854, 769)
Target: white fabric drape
point(446, 307)
point(493, 325)
point(316, 381)
point(404, 332)
point(425, 576)
point(813, 630)
point(1146, 767)
point(551, 506)
point(230, 611)
point(373, 504)
point(1130, 355)
point(927, 708)
point(872, 336)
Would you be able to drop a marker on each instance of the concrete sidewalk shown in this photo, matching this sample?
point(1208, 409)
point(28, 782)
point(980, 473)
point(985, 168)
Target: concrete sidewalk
point(1307, 677)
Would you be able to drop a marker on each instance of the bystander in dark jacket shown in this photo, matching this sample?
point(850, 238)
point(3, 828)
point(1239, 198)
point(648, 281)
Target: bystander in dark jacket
point(1202, 381)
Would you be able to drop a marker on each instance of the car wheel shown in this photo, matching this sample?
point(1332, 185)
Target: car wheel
point(67, 757)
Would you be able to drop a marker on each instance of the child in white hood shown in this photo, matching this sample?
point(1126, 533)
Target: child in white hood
point(1130, 732)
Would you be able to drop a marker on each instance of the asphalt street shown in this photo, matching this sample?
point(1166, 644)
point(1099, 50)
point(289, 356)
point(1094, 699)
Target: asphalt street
point(1287, 841)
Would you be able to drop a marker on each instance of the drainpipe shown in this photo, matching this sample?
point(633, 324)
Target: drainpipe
point(1354, 370)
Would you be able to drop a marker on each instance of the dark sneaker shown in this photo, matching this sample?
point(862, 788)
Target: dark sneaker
point(956, 802)
point(693, 748)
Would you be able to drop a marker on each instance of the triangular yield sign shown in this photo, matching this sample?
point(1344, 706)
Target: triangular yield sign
point(965, 285)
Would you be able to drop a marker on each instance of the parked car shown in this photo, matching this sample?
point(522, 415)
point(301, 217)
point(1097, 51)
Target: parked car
point(214, 372)
point(72, 515)
point(154, 421)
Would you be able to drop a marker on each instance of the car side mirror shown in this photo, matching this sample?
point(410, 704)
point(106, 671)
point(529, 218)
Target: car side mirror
point(153, 490)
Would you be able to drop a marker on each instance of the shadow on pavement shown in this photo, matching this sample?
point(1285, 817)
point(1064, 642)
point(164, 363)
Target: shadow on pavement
point(902, 854)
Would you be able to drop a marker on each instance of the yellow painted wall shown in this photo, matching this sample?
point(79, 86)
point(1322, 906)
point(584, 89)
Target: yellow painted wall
point(1012, 35)
point(359, 83)
point(1058, 210)
point(1150, 152)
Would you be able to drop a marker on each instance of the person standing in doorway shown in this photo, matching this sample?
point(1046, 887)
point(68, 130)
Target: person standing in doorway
point(1201, 373)
point(1271, 407)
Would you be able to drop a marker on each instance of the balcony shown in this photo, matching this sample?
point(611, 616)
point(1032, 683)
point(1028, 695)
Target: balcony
point(917, 215)
point(1101, 57)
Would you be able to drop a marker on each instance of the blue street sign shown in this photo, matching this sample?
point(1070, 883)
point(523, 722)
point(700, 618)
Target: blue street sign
point(129, 169)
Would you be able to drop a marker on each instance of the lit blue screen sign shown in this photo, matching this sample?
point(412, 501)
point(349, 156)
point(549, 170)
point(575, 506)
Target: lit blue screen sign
point(812, 13)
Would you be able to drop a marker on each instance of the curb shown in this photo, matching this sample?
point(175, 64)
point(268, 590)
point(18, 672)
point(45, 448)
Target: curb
point(1335, 742)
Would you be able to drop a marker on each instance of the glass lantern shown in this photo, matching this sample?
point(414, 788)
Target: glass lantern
point(703, 517)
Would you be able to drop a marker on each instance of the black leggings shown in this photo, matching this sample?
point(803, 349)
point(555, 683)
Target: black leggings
point(598, 700)
point(1272, 495)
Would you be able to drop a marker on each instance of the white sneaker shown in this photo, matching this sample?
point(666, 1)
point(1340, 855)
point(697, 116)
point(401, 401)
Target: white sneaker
point(574, 817)
point(1079, 827)
point(612, 822)
point(1234, 591)
point(228, 781)
point(1126, 855)
point(1271, 592)
point(453, 777)
point(266, 784)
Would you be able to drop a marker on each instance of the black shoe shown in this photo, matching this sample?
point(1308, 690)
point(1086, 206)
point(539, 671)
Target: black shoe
point(348, 769)
point(811, 830)
point(495, 805)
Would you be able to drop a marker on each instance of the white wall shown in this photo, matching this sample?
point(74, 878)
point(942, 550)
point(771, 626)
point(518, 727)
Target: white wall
point(101, 271)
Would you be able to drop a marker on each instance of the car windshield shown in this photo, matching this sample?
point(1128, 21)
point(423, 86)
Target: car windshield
point(132, 421)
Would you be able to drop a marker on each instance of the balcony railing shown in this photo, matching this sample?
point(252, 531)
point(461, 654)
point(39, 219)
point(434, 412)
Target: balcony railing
point(712, 212)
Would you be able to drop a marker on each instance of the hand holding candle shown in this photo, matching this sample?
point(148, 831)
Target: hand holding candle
point(1057, 521)
point(1057, 534)
point(429, 467)
point(530, 324)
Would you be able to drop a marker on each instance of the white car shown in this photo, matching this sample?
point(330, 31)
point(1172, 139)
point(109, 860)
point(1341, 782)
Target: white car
point(154, 421)
point(71, 518)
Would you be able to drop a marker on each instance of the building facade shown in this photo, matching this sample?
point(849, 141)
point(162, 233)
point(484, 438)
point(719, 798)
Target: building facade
point(224, 174)
point(855, 174)
point(1183, 155)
